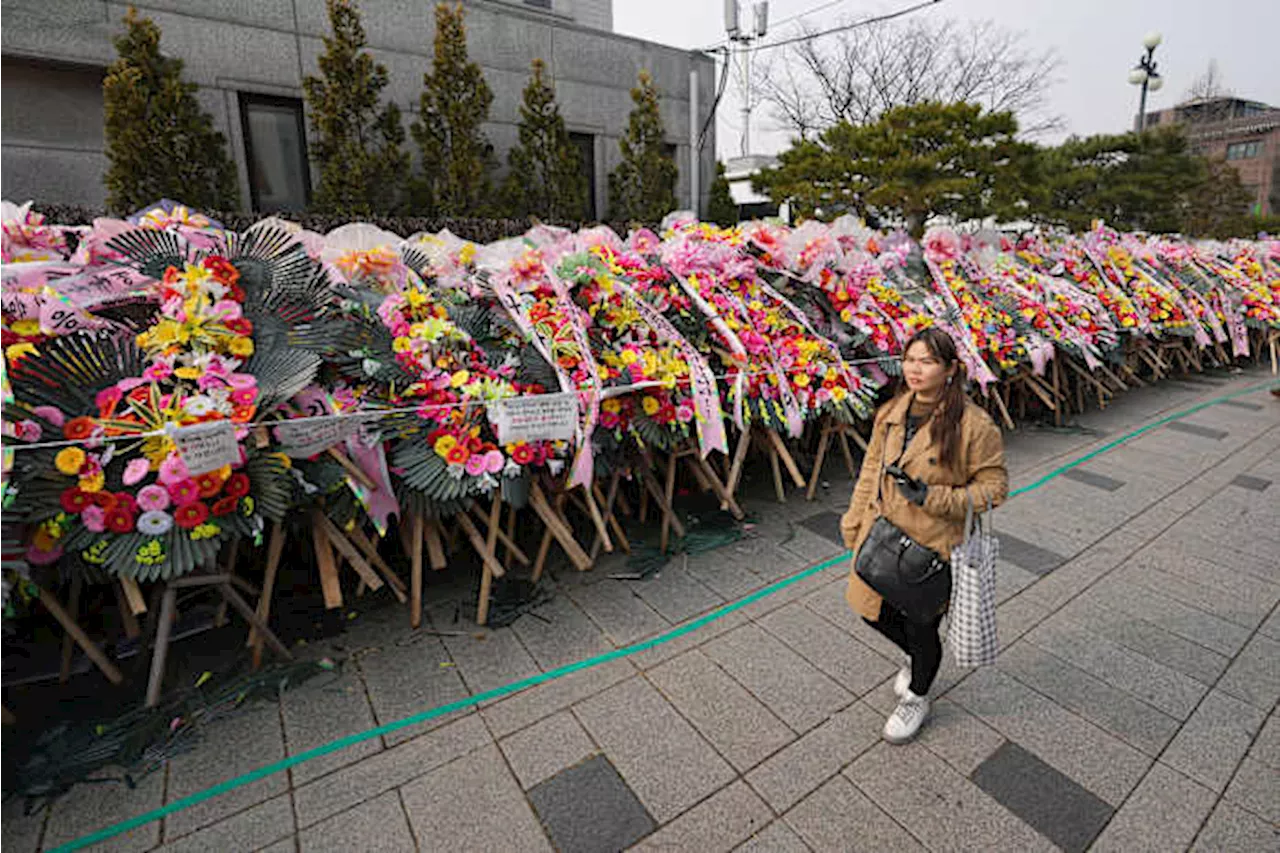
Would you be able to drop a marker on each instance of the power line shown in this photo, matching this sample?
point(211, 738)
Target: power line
point(844, 27)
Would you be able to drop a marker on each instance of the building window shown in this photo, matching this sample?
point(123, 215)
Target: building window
point(275, 147)
point(586, 145)
point(1243, 150)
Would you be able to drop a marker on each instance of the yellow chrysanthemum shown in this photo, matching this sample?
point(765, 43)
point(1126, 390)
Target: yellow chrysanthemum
point(93, 483)
point(650, 405)
point(69, 460)
point(241, 347)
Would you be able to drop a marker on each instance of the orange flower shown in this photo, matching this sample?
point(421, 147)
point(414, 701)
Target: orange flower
point(78, 429)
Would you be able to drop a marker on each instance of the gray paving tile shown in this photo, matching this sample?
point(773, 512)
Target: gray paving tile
point(1208, 598)
point(20, 832)
point(560, 633)
point(812, 547)
point(401, 684)
point(648, 658)
point(1212, 742)
point(662, 758)
point(574, 803)
point(958, 737)
point(1163, 813)
point(534, 703)
point(1185, 621)
point(322, 711)
point(1266, 748)
point(777, 837)
point(622, 615)
point(1051, 803)
point(1256, 788)
point(1148, 639)
point(1154, 683)
point(853, 665)
point(472, 803)
point(1100, 762)
point(1089, 478)
point(1231, 829)
point(741, 729)
point(1108, 707)
point(1218, 574)
point(547, 747)
point(838, 816)
point(388, 769)
point(1254, 675)
point(230, 747)
point(1026, 555)
point(791, 774)
point(490, 658)
point(1253, 484)
point(943, 809)
point(676, 594)
point(802, 695)
point(716, 825)
point(723, 574)
point(1196, 429)
point(88, 807)
point(378, 825)
point(250, 829)
point(825, 524)
point(1016, 617)
point(1242, 404)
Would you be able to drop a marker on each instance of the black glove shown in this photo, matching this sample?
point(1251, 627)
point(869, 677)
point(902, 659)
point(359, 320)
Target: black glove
point(912, 489)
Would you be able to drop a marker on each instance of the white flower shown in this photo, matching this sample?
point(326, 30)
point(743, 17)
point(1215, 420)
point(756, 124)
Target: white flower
point(198, 406)
point(155, 522)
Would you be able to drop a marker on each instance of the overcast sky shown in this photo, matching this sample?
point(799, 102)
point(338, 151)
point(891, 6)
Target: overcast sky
point(1097, 40)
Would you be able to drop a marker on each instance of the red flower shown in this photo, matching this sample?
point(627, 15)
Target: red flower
point(74, 501)
point(238, 485)
point(191, 515)
point(222, 269)
point(242, 414)
point(106, 500)
point(457, 455)
point(141, 394)
point(240, 325)
point(78, 429)
point(184, 492)
point(225, 506)
point(235, 292)
point(170, 276)
point(126, 501)
point(209, 484)
point(119, 520)
point(523, 454)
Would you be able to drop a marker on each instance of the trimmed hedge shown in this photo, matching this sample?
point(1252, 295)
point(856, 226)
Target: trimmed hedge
point(473, 229)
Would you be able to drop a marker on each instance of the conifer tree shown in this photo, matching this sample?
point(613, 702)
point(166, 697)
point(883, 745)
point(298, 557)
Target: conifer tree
point(643, 186)
point(546, 177)
point(721, 208)
point(356, 144)
point(160, 143)
point(457, 158)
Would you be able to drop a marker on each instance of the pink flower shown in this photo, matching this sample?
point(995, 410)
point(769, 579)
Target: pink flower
point(494, 461)
point(475, 465)
point(155, 497)
point(173, 469)
point(28, 431)
point(941, 244)
point(684, 412)
point(243, 396)
point(36, 557)
point(183, 492)
point(159, 370)
point(94, 518)
point(50, 414)
point(135, 471)
point(108, 397)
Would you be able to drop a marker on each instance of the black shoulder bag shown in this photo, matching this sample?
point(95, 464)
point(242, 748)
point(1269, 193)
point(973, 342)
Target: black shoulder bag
point(911, 577)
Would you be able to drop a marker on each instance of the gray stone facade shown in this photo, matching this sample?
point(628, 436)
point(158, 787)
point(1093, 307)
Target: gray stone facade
point(55, 53)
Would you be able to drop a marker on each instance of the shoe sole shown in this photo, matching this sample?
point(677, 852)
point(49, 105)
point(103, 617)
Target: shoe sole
point(902, 740)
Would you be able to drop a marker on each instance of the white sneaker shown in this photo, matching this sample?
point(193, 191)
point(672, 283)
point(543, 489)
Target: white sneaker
point(907, 718)
point(902, 683)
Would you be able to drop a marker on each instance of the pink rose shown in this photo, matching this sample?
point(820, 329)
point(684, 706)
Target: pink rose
point(94, 518)
point(135, 471)
point(155, 497)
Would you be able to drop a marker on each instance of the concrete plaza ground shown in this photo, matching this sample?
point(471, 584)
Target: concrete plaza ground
point(1133, 706)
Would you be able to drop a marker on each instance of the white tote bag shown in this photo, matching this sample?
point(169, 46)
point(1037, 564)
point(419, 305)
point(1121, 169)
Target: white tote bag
point(971, 628)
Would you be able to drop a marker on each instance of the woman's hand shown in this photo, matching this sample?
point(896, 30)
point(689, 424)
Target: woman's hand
point(912, 489)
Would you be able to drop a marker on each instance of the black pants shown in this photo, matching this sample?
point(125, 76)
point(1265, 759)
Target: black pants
point(919, 640)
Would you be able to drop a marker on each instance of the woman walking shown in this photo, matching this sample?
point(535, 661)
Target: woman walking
point(931, 449)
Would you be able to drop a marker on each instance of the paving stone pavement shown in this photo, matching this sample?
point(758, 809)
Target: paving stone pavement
point(1133, 706)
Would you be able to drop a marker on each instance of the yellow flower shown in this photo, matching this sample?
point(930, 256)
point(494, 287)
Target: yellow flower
point(838, 393)
point(27, 327)
point(187, 373)
point(444, 444)
point(459, 379)
point(629, 356)
point(801, 380)
point(400, 345)
point(17, 351)
point(611, 405)
point(69, 460)
point(93, 483)
point(241, 346)
point(650, 405)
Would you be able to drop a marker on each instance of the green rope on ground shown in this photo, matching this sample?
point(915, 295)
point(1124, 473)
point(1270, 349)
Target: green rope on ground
point(516, 686)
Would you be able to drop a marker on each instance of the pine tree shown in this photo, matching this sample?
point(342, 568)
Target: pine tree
point(643, 187)
point(356, 145)
point(457, 158)
point(546, 177)
point(721, 208)
point(160, 143)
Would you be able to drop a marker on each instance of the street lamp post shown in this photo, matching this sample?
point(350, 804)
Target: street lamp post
point(1144, 74)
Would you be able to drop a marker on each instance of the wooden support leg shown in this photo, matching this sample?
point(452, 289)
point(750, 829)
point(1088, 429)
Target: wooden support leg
point(823, 441)
point(127, 618)
point(220, 617)
point(602, 529)
point(155, 682)
point(511, 536)
point(777, 475)
point(435, 546)
point(843, 437)
point(558, 527)
point(343, 546)
point(330, 584)
point(513, 550)
point(417, 535)
point(1057, 390)
point(785, 455)
point(739, 457)
point(669, 492)
point(362, 541)
point(727, 500)
point(609, 516)
point(77, 633)
point(654, 490)
point(544, 548)
point(73, 607)
point(275, 549)
point(228, 592)
point(492, 567)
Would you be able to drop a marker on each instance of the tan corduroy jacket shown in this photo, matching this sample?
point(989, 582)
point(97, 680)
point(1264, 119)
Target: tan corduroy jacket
point(939, 524)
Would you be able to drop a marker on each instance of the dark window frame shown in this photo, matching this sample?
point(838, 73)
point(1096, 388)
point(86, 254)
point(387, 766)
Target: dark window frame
point(248, 99)
point(583, 140)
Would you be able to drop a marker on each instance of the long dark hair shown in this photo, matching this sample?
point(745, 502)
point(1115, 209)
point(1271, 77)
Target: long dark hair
point(944, 428)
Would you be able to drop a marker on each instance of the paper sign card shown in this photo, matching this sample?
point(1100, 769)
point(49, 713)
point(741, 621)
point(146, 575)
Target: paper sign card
point(307, 437)
point(206, 447)
point(542, 417)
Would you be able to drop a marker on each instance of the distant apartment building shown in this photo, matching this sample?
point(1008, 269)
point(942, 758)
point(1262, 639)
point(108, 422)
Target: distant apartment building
point(249, 59)
point(1244, 133)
